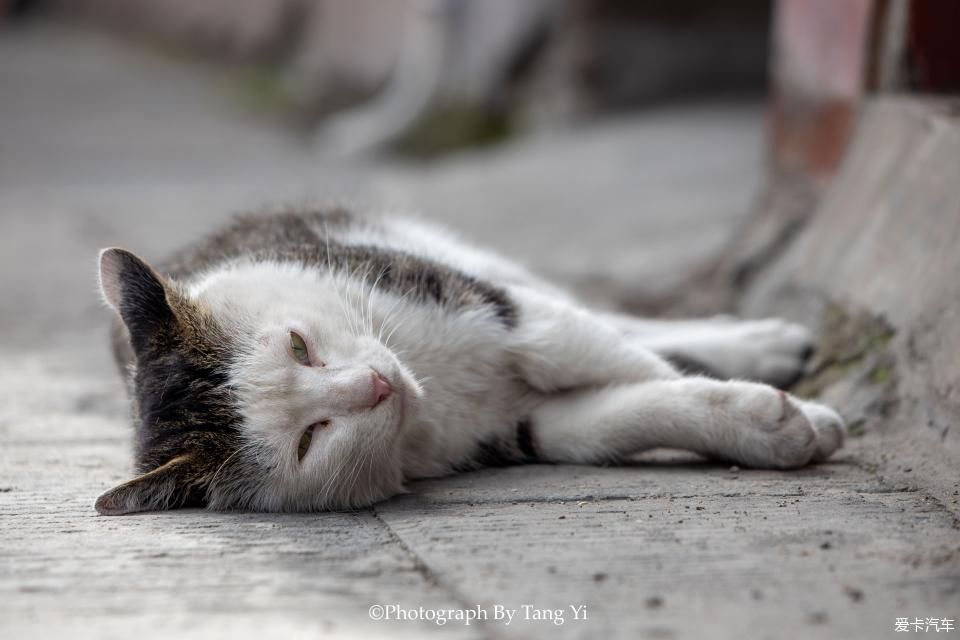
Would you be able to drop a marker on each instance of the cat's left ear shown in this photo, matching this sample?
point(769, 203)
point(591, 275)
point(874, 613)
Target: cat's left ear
point(170, 486)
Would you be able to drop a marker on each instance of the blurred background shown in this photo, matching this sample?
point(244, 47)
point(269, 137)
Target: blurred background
point(607, 144)
point(796, 158)
point(618, 146)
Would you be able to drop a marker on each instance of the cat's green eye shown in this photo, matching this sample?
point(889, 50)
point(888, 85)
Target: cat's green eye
point(305, 441)
point(299, 348)
point(304, 445)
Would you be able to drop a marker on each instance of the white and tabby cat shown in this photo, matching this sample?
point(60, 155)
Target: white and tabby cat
point(318, 360)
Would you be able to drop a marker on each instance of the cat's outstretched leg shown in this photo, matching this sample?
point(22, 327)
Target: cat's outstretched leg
point(772, 350)
point(747, 423)
point(559, 345)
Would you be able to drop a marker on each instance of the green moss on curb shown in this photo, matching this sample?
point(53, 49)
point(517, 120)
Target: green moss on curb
point(849, 342)
point(881, 374)
point(857, 428)
point(260, 88)
point(854, 356)
point(451, 127)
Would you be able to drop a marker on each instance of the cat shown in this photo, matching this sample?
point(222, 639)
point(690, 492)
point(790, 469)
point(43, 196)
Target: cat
point(318, 360)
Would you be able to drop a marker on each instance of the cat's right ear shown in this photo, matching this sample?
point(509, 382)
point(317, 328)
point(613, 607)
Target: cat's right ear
point(137, 293)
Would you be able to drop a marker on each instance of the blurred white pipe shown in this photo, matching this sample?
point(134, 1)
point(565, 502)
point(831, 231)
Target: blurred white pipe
point(410, 88)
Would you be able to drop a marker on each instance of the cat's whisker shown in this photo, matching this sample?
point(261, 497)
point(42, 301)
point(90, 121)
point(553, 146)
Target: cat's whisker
point(332, 479)
point(368, 325)
point(337, 284)
point(355, 473)
point(373, 291)
point(342, 283)
point(386, 341)
point(347, 305)
point(355, 282)
point(350, 288)
point(357, 302)
point(398, 321)
point(350, 310)
point(361, 296)
point(216, 474)
point(385, 319)
point(364, 296)
point(389, 315)
point(365, 469)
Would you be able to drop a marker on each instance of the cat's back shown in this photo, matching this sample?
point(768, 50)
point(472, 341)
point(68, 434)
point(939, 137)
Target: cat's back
point(336, 238)
point(285, 234)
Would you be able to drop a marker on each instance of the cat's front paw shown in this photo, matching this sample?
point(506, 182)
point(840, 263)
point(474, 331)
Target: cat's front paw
point(772, 429)
point(769, 430)
point(830, 428)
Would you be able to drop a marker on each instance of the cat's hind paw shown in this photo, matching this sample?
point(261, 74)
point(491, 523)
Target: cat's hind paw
point(773, 351)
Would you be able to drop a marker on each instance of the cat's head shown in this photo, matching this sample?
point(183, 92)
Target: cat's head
point(255, 388)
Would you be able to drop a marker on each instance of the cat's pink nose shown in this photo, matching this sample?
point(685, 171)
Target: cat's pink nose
point(381, 388)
